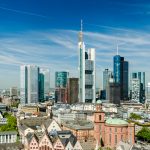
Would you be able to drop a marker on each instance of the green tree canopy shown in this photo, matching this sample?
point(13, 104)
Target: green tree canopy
point(144, 134)
point(11, 123)
point(135, 116)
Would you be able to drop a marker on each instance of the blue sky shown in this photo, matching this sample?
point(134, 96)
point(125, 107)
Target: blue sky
point(45, 33)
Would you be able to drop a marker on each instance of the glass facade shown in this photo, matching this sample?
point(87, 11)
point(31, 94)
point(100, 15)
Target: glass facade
point(46, 74)
point(106, 76)
point(125, 80)
point(117, 69)
point(33, 72)
point(41, 87)
point(29, 84)
point(23, 84)
point(86, 73)
point(138, 86)
point(121, 75)
point(61, 79)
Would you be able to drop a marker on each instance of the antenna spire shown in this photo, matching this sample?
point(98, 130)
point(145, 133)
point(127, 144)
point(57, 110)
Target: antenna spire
point(81, 33)
point(81, 25)
point(117, 49)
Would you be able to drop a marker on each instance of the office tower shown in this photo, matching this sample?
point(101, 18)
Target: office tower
point(23, 84)
point(29, 84)
point(113, 92)
point(140, 82)
point(135, 84)
point(72, 90)
point(106, 76)
point(33, 72)
point(121, 75)
point(61, 79)
point(46, 74)
point(41, 87)
point(86, 72)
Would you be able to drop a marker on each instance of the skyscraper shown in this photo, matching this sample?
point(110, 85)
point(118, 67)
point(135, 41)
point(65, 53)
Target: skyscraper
point(29, 84)
point(41, 87)
point(121, 75)
point(106, 76)
point(61, 79)
point(72, 88)
point(86, 72)
point(23, 84)
point(46, 74)
point(140, 86)
point(135, 85)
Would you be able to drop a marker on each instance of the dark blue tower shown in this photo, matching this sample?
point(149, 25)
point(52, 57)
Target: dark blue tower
point(121, 75)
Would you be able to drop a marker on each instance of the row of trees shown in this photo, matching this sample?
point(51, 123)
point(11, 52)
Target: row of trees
point(11, 123)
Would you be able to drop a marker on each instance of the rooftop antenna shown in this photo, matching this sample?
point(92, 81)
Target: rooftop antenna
point(81, 33)
point(81, 25)
point(117, 49)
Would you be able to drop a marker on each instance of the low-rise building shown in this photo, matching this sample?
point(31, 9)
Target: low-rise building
point(63, 140)
point(8, 137)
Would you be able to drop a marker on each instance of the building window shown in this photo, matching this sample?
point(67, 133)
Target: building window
point(115, 139)
point(100, 117)
point(110, 138)
point(110, 130)
point(115, 129)
point(121, 137)
point(121, 129)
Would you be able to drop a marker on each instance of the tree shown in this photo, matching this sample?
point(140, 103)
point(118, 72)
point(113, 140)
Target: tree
point(11, 123)
point(135, 116)
point(144, 134)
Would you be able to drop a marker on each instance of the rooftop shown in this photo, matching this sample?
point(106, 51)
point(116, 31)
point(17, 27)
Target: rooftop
point(8, 132)
point(79, 124)
point(116, 121)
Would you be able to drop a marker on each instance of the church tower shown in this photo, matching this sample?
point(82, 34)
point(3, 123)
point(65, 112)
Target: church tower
point(99, 124)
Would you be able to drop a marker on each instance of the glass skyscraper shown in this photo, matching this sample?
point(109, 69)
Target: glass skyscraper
point(61, 79)
point(106, 76)
point(29, 84)
point(121, 75)
point(23, 84)
point(41, 87)
point(46, 74)
point(86, 72)
point(140, 78)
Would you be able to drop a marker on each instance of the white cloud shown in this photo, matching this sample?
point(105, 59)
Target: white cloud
point(57, 49)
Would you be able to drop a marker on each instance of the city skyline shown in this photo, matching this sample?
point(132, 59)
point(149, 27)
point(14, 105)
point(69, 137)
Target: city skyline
point(35, 34)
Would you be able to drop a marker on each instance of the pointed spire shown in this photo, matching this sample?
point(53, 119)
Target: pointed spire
point(81, 25)
point(117, 49)
point(81, 33)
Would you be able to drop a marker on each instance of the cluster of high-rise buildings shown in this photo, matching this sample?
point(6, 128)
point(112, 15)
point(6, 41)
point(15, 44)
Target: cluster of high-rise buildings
point(35, 82)
point(116, 87)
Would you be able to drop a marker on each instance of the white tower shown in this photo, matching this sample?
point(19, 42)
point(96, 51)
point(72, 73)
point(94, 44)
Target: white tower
point(86, 72)
point(81, 47)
